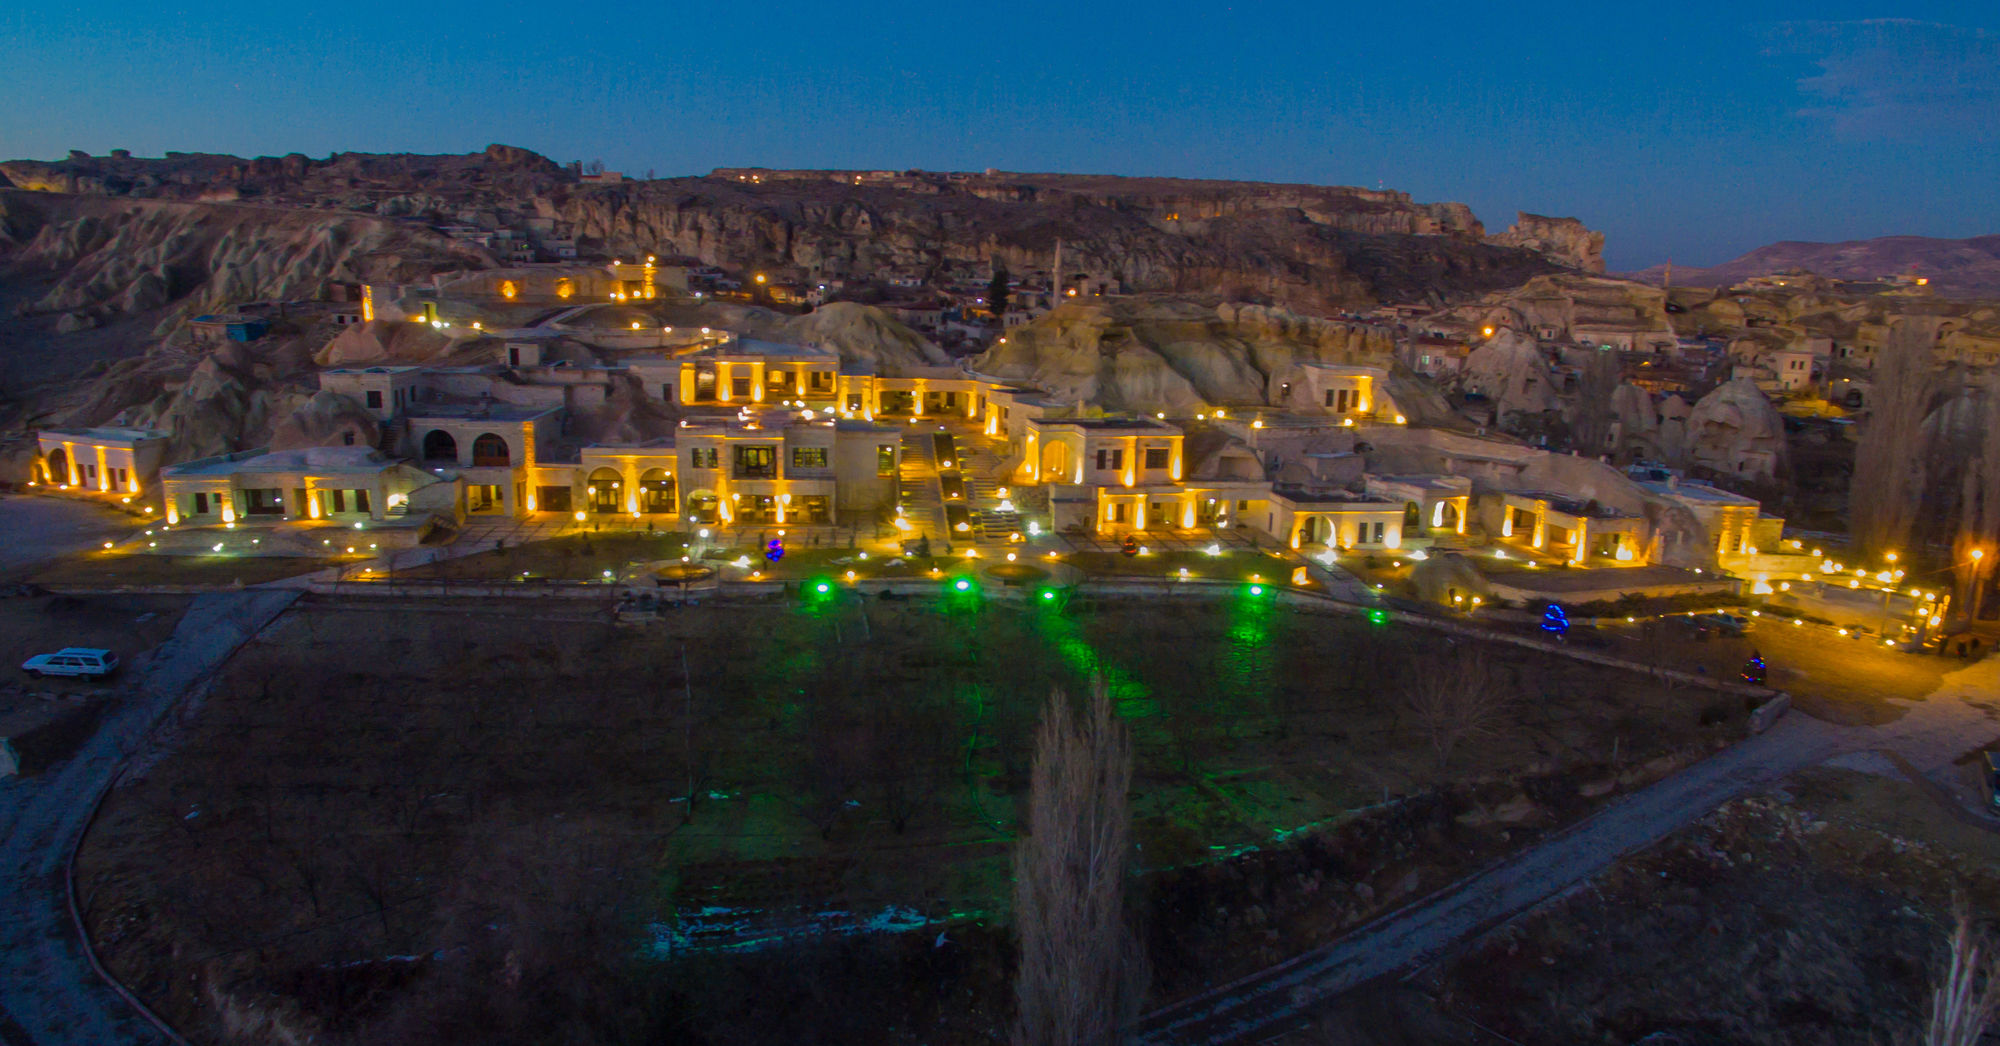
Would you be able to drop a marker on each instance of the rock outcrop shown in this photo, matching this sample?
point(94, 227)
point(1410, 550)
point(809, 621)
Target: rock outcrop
point(328, 419)
point(1509, 370)
point(1565, 240)
point(1151, 354)
point(1735, 431)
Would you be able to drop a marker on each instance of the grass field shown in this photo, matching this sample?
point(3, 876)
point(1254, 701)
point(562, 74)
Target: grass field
point(370, 779)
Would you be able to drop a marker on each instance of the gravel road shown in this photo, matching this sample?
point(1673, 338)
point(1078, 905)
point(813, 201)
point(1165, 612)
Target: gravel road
point(49, 994)
point(1934, 732)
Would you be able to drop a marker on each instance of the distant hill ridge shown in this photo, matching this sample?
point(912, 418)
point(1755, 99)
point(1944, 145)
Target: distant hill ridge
point(1968, 268)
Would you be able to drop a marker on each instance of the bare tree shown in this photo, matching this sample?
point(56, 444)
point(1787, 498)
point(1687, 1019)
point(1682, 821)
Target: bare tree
point(1967, 997)
point(1888, 478)
point(1082, 972)
point(1454, 698)
point(1594, 413)
point(1979, 510)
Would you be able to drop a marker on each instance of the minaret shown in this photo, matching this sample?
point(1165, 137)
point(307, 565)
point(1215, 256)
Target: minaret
point(1055, 277)
point(1669, 280)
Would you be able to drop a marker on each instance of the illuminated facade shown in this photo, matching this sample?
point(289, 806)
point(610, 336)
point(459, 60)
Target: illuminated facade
point(121, 462)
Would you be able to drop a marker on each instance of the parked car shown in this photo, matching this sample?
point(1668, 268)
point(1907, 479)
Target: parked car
point(1727, 624)
point(72, 661)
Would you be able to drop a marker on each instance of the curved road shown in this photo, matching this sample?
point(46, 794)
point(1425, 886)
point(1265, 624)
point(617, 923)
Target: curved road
point(1929, 736)
point(49, 993)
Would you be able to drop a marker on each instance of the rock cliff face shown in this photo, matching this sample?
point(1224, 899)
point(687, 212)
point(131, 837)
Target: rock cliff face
point(1565, 240)
point(122, 258)
point(1322, 253)
point(1304, 246)
point(1150, 354)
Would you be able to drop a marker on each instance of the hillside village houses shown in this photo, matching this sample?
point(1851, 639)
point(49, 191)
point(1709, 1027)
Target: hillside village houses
point(766, 434)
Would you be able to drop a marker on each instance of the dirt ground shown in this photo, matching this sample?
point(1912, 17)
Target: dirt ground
point(370, 780)
point(110, 570)
point(1844, 679)
point(1816, 914)
point(45, 718)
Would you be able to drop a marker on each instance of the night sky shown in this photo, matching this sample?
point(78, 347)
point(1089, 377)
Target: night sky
point(1693, 131)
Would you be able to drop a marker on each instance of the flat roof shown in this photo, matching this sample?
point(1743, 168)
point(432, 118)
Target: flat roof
point(1695, 492)
point(1331, 498)
point(107, 433)
point(1112, 423)
point(1569, 506)
point(480, 412)
point(1425, 482)
point(759, 348)
point(305, 459)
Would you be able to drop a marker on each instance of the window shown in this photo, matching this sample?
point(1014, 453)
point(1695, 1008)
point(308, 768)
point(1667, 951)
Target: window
point(739, 387)
point(703, 457)
point(201, 504)
point(375, 399)
point(757, 462)
point(1378, 532)
point(1156, 457)
point(808, 457)
point(1116, 459)
point(885, 459)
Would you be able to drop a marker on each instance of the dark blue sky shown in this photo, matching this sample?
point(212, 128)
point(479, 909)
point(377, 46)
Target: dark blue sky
point(1693, 131)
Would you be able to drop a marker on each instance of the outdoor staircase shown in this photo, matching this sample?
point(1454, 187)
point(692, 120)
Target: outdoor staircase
point(918, 494)
point(988, 470)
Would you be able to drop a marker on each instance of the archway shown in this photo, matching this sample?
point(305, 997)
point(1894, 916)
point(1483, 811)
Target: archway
point(58, 466)
point(440, 446)
point(1055, 462)
point(490, 449)
point(656, 491)
point(1319, 531)
point(1413, 517)
point(603, 490)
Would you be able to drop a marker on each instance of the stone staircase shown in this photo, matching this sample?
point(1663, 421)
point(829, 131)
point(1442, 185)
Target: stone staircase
point(917, 487)
point(988, 470)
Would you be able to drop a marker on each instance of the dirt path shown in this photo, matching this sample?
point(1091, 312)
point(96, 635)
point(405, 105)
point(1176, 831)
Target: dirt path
point(1930, 736)
point(49, 992)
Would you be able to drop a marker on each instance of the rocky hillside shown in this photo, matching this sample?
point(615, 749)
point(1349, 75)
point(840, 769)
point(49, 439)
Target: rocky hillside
point(110, 258)
point(1150, 354)
point(1968, 268)
point(1303, 246)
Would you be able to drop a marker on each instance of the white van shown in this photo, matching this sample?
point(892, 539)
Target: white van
point(72, 661)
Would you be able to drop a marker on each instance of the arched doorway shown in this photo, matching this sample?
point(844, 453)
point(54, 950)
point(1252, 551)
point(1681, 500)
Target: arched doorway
point(656, 491)
point(1413, 517)
point(1319, 531)
point(490, 449)
point(1446, 516)
point(58, 465)
point(603, 490)
point(440, 446)
point(1055, 462)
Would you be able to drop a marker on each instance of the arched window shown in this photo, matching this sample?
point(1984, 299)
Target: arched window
point(489, 449)
point(439, 446)
point(58, 465)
